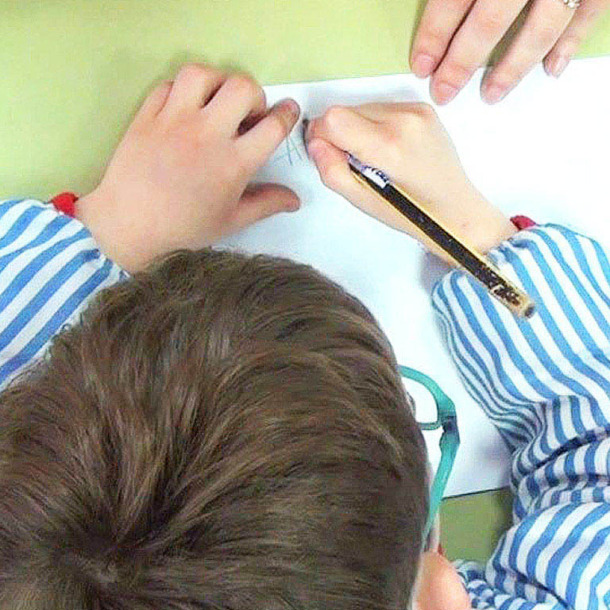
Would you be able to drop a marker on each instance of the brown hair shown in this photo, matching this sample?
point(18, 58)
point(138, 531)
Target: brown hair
point(220, 432)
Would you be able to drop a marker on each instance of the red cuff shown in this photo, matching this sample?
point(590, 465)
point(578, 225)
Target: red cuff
point(523, 222)
point(66, 203)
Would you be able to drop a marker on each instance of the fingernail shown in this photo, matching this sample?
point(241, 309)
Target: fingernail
point(423, 65)
point(314, 151)
point(493, 93)
point(291, 106)
point(445, 93)
point(292, 205)
point(558, 65)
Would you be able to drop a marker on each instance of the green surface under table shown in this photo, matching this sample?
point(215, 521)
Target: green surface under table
point(73, 71)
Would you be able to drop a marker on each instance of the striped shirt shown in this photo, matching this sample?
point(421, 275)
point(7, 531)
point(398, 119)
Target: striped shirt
point(50, 267)
point(544, 382)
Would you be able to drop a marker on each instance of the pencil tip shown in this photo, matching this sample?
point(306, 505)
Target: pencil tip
point(304, 126)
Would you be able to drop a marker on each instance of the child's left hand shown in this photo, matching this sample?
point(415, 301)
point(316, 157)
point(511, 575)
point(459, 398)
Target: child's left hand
point(180, 177)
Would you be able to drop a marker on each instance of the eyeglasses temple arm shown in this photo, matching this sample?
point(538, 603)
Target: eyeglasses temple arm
point(449, 444)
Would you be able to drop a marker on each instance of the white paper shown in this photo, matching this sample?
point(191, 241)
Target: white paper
point(543, 152)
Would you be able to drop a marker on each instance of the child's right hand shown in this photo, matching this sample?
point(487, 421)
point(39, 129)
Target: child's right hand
point(408, 143)
point(181, 176)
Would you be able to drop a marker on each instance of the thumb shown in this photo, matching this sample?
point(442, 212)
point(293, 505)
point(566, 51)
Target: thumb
point(263, 200)
point(154, 103)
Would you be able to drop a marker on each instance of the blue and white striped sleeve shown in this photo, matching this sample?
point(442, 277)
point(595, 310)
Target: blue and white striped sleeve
point(545, 383)
point(50, 267)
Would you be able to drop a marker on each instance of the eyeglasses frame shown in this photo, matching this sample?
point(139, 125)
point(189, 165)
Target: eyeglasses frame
point(449, 441)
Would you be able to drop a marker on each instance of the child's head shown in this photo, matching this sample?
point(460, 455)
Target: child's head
point(220, 432)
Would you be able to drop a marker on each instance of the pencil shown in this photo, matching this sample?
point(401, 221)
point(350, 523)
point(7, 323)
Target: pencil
point(480, 268)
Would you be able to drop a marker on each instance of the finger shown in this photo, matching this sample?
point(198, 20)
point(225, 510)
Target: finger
point(484, 27)
point(544, 24)
point(154, 103)
point(193, 86)
point(392, 111)
point(259, 143)
point(346, 129)
point(335, 174)
point(571, 39)
point(238, 98)
point(263, 200)
point(380, 135)
point(438, 24)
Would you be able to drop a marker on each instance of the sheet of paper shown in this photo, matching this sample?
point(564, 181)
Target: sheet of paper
point(542, 152)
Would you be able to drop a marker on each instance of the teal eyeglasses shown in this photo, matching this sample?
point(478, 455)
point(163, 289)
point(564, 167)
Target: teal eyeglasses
point(449, 442)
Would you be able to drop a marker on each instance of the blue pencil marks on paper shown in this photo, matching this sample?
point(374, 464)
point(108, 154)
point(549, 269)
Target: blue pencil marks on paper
point(292, 150)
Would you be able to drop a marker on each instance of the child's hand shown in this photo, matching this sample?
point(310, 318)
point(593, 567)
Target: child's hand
point(180, 177)
point(407, 142)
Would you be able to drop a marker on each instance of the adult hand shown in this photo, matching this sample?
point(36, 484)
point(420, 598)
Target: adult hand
point(181, 176)
point(455, 37)
point(408, 142)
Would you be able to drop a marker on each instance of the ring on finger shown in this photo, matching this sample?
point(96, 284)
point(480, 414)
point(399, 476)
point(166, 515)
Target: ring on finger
point(573, 4)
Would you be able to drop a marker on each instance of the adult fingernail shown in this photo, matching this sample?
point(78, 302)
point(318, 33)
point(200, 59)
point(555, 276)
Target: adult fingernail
point(558, 65)
point(423, 65)
point(445, 93)
point(493, 93)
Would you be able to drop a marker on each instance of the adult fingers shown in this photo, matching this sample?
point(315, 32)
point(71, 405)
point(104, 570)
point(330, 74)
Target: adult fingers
point(261, 141)
point(193, 86)
point(569, 42)
point(239, 97)
point(544, 24)
point(263, 200)
point(438, 24)
point(483, 28)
